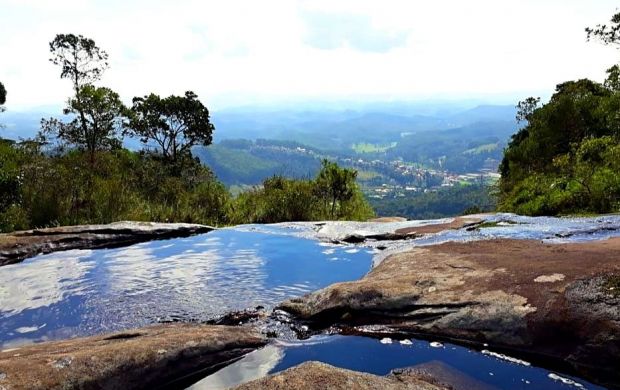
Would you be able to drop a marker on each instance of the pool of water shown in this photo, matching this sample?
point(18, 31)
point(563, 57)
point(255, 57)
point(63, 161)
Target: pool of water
point(473, 369)
point(85, 292)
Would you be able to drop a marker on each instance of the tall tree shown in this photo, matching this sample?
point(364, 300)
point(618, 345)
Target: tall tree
point(82, 62)
point(79, 58)
point(102, 113)
point(173, 125)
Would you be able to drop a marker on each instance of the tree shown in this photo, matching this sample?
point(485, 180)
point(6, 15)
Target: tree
point(335, 184)
point(79, 58)
point(2, 97)
point(174, 124)
point(612, 81)
point(606, 34)
point(99, 124)
point(526, 108)
point(82, 62)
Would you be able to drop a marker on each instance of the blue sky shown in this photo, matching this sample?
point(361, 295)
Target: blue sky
point(235, 52)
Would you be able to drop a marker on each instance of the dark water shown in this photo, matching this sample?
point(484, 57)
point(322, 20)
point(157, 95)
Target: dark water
point(86, 292)
point(477, 370)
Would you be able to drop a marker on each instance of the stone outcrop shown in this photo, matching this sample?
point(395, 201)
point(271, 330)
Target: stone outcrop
point(388, 230)
point(320, 376)
point(507, 293)
point(152, 357)
point(17, 246)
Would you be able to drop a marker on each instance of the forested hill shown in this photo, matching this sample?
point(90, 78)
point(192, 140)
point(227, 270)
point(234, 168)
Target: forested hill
point(567, 158)
point(459, 150)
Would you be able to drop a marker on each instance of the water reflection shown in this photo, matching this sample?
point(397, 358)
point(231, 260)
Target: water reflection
point(470, 369)
point(254, 365)
point(37, 284)
point(73, 293)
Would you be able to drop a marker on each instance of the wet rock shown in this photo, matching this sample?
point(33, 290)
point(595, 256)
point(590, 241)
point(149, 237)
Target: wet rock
point(388, 219)
point(240, 317)
point(354, 239)
point(320, 376)
point(17, 246)
point(151, 357)
point(442, 374)
point(358, 232)
point(485, 292)
point(456, 223)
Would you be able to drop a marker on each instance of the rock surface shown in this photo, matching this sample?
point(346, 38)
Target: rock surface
point(320, 376)
point(358, 232)
point(17, 246)
point(145, 358)
point(490, 292)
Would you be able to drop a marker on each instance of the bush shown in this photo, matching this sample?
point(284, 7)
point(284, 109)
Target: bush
point(56, 187)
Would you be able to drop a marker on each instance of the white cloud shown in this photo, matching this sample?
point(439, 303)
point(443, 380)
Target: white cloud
point(236, 51)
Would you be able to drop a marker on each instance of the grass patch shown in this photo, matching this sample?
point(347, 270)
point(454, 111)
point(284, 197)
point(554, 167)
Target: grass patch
point(367, 175)
point(363, 147)
point(487, 148)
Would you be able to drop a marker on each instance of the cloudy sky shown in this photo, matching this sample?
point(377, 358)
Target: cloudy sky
point(237, 52)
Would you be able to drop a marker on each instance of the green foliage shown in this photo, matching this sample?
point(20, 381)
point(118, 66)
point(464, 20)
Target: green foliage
point(335, 185)
point(461, 150)
point(79, 58)
point(364, 147)
point(446, 202)
point(604, 33)
point(90, 178)
point(97, 111)
point(174, 124)
point(333, 194)
point(245, 162)
point(40, 189)
point(2, 94)
point(237, 166)
point(98, 114)
point(567, 157)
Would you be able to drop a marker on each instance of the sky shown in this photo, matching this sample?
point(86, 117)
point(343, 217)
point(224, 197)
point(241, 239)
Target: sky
point(236, 53)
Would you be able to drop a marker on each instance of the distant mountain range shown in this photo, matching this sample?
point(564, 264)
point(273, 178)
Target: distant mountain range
point(254, 143)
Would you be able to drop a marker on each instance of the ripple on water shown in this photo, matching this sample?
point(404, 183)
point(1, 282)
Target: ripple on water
point(85, 292)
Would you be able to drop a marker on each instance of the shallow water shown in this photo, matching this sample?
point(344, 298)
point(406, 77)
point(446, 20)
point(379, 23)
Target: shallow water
point(477, 370)
point(84, 292)
point(546, 229)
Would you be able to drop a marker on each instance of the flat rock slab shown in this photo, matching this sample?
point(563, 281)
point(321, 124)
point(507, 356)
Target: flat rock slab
point(320, 376)
point(456, 223)
point(145, 358)
point(390, 230)
point(491, 292)
point(17, 246)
